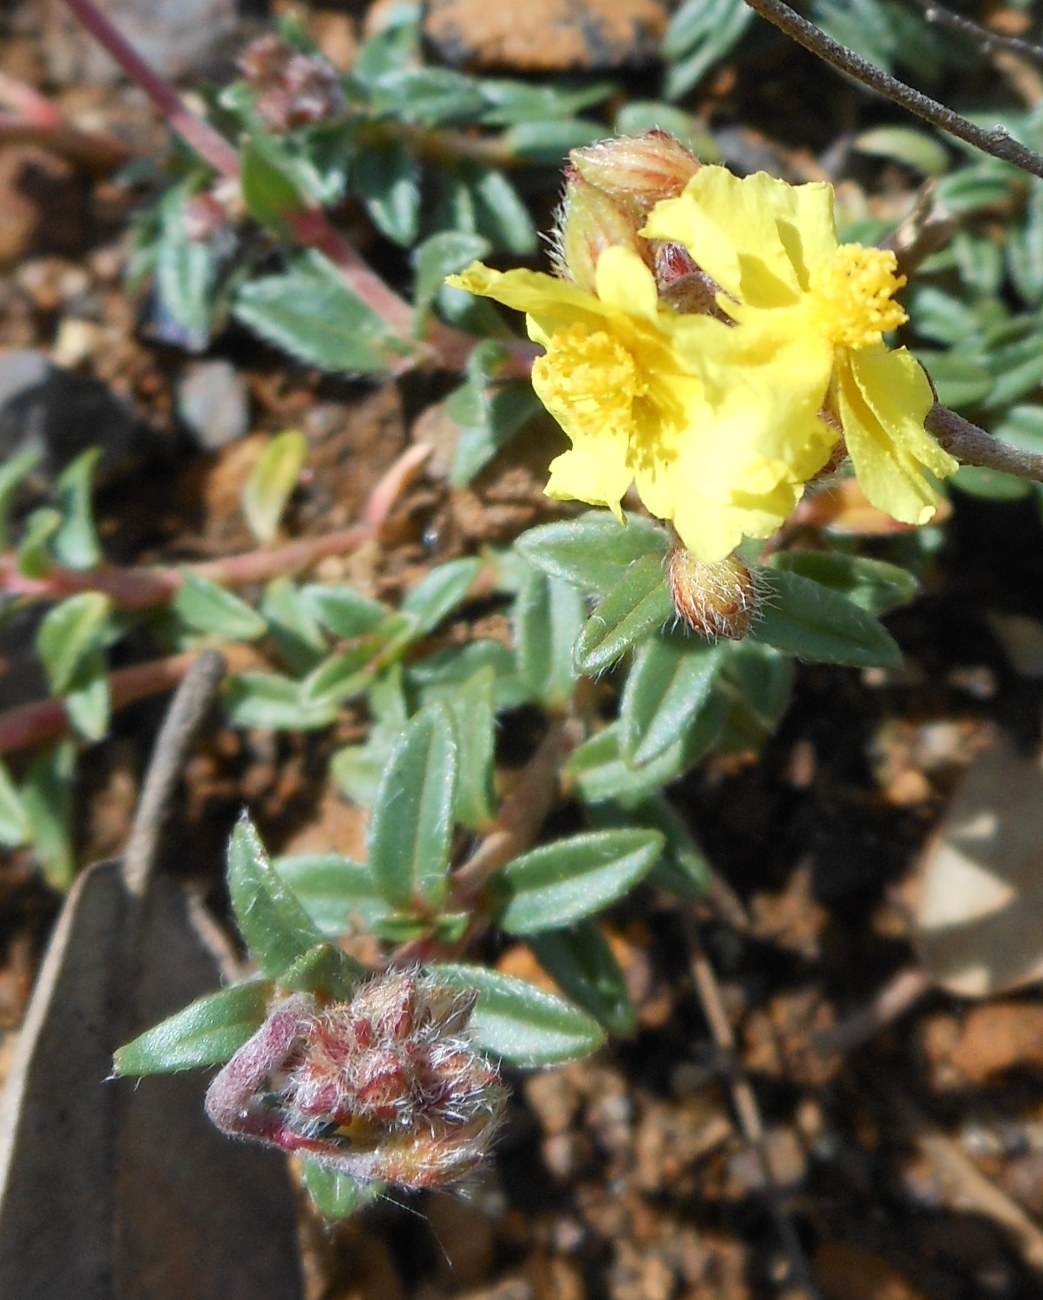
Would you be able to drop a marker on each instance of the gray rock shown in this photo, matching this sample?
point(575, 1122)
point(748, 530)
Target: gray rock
point(213, 403)
point(60, 414)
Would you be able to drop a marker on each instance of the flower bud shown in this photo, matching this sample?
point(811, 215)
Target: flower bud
point(386, 1087)
point(715, 600)
point(637, 170)
point(293, 89)
point(589, 221)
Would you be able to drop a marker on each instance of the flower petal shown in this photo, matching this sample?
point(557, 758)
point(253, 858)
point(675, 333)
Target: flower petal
point(541, 296)
point(757, 236)
point(625, 284)
point(882, 399)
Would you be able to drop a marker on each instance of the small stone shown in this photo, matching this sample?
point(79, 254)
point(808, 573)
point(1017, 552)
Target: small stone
point(213, 403)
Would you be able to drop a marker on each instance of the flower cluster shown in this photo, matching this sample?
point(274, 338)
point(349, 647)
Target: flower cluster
point(719, 348)
point(386, 1087)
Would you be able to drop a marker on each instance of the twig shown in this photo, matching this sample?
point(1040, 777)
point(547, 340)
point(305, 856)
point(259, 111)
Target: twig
point(987, 41)
point(195, 695)
point(894, 1000)
point(997, 142)
point(523, 813)
point(970, 1191)
point(973, 446)
point(744, 1099)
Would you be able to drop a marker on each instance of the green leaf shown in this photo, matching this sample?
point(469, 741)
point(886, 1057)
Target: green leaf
point(638, 605)
point(435, 96)
point(599, 771)
point(668, 685)
point(572, 878)
point(700, 34)
point(409, 837)
point(592, 552)
point(440, 255)
point(500, 411)
point(681, 867)
point(762, 678)
point(209, 1032)
point(336, 892)
point(440, 592)
point(274, 702)
point(293, 628)
point(806, 619)
point(473, 706)
point(311, 312)
point(344, 611)
point(548, 617)
point(445, 670)
point(500, 215)
point(873, 585)
point(386, 177)
point(34, 554)
point(343, 675)
point(184, 275)
point(272, 482)
point(518, 1023)
point(13, 473)
point(336, 1195)
point(72, 631)
point(325, 970)
point(272, 182)
point(88, 702)
point(549, 142)
point(213, 609)
point(15, 828)
point(275, 927)
point(582, 965)
point(75, 543)
point(904, 144)
point(509, 101)
point(47, 800)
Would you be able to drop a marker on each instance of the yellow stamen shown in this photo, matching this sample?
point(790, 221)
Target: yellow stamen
point(852, 290)
point(593, 375)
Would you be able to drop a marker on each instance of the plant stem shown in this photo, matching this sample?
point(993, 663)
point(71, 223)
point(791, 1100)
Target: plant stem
point(197, 133)
point(446, 346)
point(32, 724)
point(997, 142)
point(973, 446)
point(143, 588)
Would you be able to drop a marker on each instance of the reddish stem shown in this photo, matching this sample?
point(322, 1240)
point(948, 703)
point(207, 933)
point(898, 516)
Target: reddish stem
point(451, 347)
point(32, 724)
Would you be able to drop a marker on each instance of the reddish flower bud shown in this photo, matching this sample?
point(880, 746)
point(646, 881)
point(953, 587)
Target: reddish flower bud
point(588, 222)
point(715, 600)
point(293, 89)
point(386, 1087)
point(637, 170)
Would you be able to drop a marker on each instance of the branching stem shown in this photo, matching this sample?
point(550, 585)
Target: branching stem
point(997, 142)
point(973, 446)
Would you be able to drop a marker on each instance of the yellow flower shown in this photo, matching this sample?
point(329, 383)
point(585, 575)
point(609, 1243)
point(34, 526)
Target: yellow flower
point(787, 283)
point(649, 395)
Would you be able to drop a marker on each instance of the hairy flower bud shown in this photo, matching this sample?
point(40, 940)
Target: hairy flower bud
point(637, 170)
point(589, 221)
point(293, 89)
point(715, 600)
point(386, 1087)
